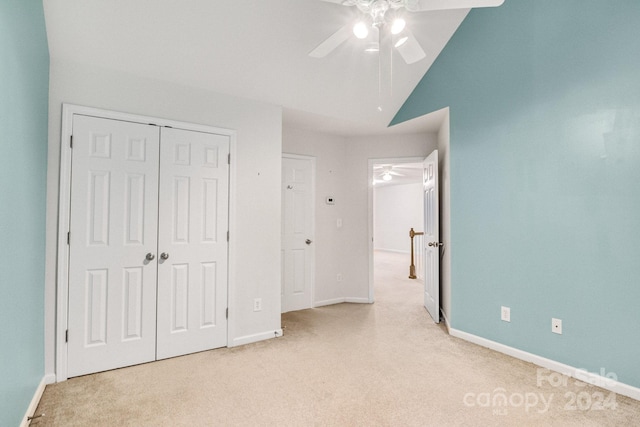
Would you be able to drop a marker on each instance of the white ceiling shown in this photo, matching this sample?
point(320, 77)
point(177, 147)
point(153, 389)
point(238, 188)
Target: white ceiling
point(254, 49)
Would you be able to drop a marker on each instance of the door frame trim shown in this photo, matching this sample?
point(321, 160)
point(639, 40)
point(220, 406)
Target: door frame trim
point(373, 162)
point(313, 223)
point(64, 211)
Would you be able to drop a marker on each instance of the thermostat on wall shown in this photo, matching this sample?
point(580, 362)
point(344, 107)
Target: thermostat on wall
point(330, 200)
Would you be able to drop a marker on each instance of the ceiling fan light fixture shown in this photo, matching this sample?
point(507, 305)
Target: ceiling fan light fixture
point(402, 40)
point(360, 30)
point(372, 44)
point(372, 47)
point(409, 48)
point(386, 176)
point(398, 25)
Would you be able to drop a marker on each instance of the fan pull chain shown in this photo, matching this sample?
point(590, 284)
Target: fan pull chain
point(379, 72)
point(391, 70)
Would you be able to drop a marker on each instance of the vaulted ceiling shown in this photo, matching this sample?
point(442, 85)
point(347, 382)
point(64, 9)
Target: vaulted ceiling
point(255, 49)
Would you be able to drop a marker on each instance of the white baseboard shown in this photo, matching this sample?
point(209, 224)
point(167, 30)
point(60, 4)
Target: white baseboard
point(328, 302)
point(248, 339)
point(357, 300)
point(341, 300)
point(395, 251)
point(580, 374)
point(34, 402)
point(446, 320)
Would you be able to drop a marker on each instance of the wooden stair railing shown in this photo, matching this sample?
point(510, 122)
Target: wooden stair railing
point(412, 267)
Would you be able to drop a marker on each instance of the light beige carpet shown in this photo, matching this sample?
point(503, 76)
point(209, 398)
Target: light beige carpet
point(385, 364)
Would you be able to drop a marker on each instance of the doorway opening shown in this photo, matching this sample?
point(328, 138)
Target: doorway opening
point(396, 207)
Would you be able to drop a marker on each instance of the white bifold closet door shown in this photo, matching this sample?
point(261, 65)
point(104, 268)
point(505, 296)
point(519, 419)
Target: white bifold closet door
point(148, 244)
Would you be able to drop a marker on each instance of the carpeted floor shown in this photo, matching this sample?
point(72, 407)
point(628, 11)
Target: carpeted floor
point(385, 364)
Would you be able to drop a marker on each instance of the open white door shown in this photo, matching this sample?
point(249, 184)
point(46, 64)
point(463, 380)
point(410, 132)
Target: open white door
point(431, 237)
point(297, 232)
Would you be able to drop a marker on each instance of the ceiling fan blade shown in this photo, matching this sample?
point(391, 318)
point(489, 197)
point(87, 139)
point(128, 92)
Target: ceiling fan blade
point(411, 51)
point(334, 40)
point(424, 5)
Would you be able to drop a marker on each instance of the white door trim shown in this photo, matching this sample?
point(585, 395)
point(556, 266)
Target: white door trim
point(313, 220)
point(62, 262)
point(370, 202)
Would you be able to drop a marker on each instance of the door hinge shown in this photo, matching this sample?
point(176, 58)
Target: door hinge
point(227, 313)
point(66, 336)
point(229, 158)
point(71, 141)
point(68, 237)
point(227, 236)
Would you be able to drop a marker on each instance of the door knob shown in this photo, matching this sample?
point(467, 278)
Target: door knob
point(308, 242)
point(164, 255)
point(150, 256)
point(435, 244)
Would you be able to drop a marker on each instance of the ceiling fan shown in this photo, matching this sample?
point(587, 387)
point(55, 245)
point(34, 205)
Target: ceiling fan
point(378, 15)
point(407, 173)
point(385, 172)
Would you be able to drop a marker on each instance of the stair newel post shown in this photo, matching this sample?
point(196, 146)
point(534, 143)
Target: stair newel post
point(412, 267)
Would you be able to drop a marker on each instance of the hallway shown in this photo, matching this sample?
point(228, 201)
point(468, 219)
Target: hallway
point(394, 291)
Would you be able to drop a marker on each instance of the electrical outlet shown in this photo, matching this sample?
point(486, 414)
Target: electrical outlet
point(339, 277)
point(505, 313)
point(257, 304)
point(556, 326)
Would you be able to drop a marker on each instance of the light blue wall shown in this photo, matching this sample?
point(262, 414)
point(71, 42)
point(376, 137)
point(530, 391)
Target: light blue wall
point(545, 177)
point(24, 76)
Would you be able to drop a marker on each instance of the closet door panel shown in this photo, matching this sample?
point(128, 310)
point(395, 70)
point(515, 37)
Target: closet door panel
point(113, 226)
point(192, 241)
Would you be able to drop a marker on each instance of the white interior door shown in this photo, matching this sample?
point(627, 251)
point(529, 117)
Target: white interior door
point(431, 237)
point(297, 233)
point(192, 242)
point(113, 226)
